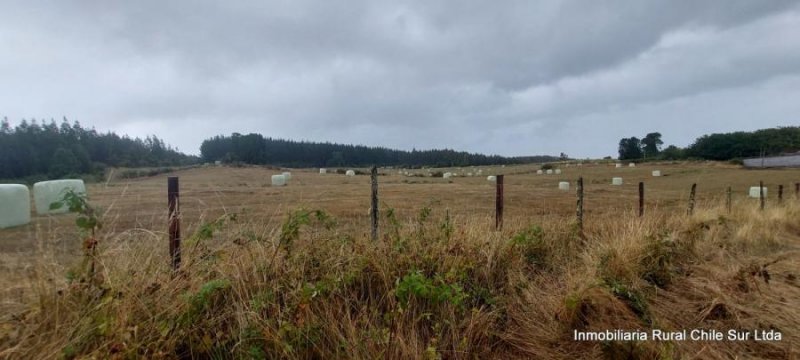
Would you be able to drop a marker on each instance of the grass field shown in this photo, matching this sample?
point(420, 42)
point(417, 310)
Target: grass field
point(440, 283)
point(207, 193)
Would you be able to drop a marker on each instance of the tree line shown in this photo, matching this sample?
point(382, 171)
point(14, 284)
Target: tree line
point(720, 146)
point(43, 149)
point(256, 149)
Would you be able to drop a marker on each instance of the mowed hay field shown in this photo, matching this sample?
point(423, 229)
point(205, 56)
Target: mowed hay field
point(423, 290)
point(209, 192)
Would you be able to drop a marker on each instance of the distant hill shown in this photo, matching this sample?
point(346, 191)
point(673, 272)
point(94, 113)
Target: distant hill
point(256, 149)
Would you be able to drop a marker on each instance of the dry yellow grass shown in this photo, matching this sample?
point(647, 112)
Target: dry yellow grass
point(431, 287)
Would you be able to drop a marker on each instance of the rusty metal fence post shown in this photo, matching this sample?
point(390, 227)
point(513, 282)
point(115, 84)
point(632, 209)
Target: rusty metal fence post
point(498, 215)
point(173, 203)
point(579, 212)
point(641, 198)
point(374, 206)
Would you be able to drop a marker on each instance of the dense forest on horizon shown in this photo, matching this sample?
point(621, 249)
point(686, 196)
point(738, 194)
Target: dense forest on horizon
point(40, 150)
point(719, 146)
point(742, 144)
point(47, 150)
point(256, 149)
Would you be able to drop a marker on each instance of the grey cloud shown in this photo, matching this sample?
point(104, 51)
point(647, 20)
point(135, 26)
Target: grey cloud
point(516, 77)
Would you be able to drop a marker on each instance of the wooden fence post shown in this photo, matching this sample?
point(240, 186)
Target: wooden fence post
point(579, 213)
point(780, 193)
point(173, 203)
point(761, 193)
point(498, 217)
point(728, 200)
point(691, 198)
point(797, 190)
point(641, 198)
point(374, 208)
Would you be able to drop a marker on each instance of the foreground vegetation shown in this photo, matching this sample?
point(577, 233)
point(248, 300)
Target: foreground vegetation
point(432, 287)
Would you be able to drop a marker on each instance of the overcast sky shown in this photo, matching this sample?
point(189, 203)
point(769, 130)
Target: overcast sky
point(501, 77)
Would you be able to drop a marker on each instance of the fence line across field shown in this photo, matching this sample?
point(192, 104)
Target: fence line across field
point(174, 226)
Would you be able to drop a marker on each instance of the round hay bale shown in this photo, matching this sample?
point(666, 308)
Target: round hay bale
point(278, 180)
point(756, 193)
point(15, 205)
point(48, 192)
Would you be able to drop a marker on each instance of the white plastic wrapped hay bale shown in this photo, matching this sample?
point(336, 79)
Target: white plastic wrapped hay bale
point(539, 172)
point(616, 181)
point(15, 205)
point(447, 175)
point(656, 173)
point(287, 176)
point(48, 192)
point(352, 173)
point(218, 163)
point(278, 180)
point(558, 171)
point(755, 192)
point(563, 185)
point(549, 171)
point(491, 178)
point(323, 171)
point(618, 165)
point(469, 174)
point(632, 165)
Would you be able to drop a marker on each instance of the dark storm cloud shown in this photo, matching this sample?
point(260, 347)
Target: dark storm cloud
point(515, 77)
